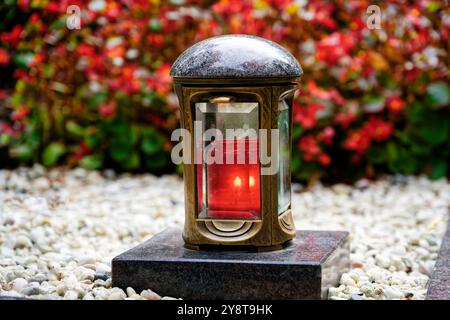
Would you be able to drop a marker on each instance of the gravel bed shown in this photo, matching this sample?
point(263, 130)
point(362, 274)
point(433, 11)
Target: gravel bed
point(60, 229)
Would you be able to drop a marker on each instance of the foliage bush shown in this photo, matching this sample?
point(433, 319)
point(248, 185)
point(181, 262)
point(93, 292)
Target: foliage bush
point(371, 101)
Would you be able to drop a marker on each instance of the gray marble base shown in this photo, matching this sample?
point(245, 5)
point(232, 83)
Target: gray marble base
point(439, 288)
point(305, 269)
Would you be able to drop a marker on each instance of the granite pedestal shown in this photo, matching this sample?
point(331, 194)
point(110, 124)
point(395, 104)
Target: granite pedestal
point(305, 269)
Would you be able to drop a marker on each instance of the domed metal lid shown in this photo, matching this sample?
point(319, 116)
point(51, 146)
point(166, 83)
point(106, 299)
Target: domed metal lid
point(236, 57)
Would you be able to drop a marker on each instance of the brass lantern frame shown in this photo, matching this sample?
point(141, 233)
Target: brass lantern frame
point(272, 231)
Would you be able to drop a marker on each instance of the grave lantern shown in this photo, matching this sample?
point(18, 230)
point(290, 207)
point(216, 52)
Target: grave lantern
point(233, 91)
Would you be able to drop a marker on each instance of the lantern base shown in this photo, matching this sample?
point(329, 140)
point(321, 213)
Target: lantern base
point(305, 269)
point(213, 247)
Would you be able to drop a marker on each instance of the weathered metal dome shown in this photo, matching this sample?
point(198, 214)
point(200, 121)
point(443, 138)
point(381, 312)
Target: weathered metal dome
point(236, 56)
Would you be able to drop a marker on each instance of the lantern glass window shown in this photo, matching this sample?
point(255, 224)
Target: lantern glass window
point(228, 177)
point(284, 157)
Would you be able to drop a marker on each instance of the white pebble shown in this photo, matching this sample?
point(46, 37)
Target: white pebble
point(150, 295)
point(130, 291)
point(392, 293)
point(347, 280)
point(71, 295)
point(22, 242)
point(117, 295)
point(102, 268)
point(19, 284)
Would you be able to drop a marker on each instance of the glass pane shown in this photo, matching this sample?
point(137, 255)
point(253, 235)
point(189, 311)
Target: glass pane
point(284, 158)
point(229, 186)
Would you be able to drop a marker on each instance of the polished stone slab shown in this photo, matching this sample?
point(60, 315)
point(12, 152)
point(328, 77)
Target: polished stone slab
point(305, 269)
point(439, 288)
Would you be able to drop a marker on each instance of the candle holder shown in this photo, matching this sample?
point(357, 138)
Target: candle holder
point(244, 85)
point(237, 186)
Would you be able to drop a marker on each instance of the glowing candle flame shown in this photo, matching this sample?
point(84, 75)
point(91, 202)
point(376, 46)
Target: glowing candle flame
point(251, 181)
point(237, 182)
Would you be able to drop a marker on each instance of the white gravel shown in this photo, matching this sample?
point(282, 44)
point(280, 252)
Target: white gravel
point(60, 229)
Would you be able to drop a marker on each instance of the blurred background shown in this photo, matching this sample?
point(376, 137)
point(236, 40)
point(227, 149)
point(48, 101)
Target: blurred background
point(374, 99)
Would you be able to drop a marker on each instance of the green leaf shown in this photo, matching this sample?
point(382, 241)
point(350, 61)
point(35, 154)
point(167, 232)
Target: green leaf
point(91, 162)
point(406, 163)
point(151, 146)
point(22, 152)
point(392, 153)
point(400, 160)
point(438, 94)
point(4, 139)
point(433, 6)
point(435, 129)
point(75, 129)
point(133, 161)
point(373, 103)
point(417, 114)
point(97, 99)
point(22, 59)
point(152, 141)
point(119, 150)
point(93, 140)
point(376, 155)
point(439, 169)
point(420, 148)
point(58, 24)
point(52, 153)
point(133, 134)
point(296, 132)
point(179, 170)
point(16, 99)
point(154, 25)
point(156, 162)
point(295, 163)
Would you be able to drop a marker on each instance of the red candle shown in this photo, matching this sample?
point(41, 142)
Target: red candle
point(233, 190)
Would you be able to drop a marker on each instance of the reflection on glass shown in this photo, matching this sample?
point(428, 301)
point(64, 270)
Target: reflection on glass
point(284, 156)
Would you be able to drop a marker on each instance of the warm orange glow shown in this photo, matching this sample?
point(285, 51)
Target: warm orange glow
point(237, 182)
point(251, 181)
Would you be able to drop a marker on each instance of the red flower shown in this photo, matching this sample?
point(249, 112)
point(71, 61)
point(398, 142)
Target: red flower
point(306, 116)
point(324, 159)
point(395, 104)
point(81, 151)
point(4, 57)
point(358, 141)
point(317, 91)
point(374, 129)
point(107, 109)
point(335, 46)
point(308, 144)
point(323, 14)
point(162, 81)
point(327, 135)
point(325, 94)
point(157, 121)
point(37, 59)
point(378, 129)
point(20, 113)
point(85, 50)
point(311, 151)
point(155, 40)
point(345, 119)
point(112, 11)
point(23, 4)
point(12, 37)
